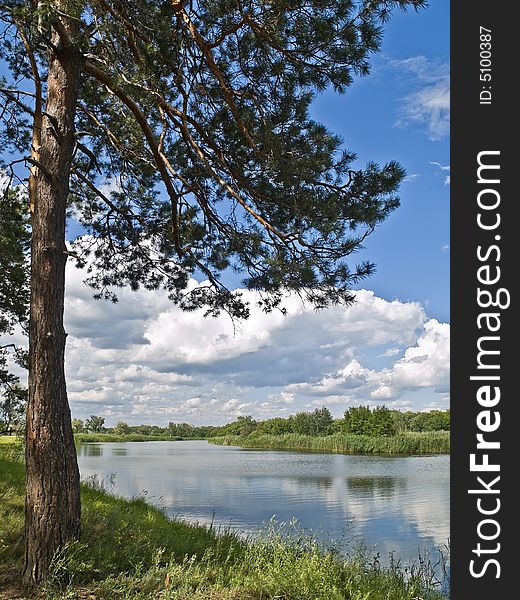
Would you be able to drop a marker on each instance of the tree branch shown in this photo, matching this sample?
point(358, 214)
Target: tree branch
point(37, 119)
point(130, 103)
point(226, 89)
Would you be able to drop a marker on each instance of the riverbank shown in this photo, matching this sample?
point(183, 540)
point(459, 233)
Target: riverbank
point(433, 442)
point(437, 442)
point(132, 551)
point(86, 438)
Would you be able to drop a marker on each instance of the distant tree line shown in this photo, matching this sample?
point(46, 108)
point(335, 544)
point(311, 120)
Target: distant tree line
point(361, 420)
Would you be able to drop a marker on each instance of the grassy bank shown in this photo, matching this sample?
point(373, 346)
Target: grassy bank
point(409, 443)
point(132, 551)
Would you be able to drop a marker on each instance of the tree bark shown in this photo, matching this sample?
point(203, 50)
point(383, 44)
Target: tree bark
point(52, 509)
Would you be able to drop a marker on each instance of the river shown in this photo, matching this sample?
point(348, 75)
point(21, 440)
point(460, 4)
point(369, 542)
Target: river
point(390, 504)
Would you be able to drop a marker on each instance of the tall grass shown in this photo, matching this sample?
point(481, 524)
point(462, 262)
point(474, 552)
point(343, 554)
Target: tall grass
point(12, 482)
point(435, 442)
point(276, 567)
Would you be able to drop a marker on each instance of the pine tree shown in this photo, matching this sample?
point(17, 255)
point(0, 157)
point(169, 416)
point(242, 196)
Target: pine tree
point(197, 114)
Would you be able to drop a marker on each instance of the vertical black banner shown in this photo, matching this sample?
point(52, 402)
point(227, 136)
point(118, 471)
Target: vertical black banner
point(483, 395)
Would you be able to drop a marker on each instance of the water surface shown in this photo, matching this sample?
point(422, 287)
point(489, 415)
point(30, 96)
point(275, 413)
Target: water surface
point(393, 504)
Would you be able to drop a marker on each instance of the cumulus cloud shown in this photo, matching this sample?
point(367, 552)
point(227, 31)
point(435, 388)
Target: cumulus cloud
point(144, 360)
point(424, 365)
point(428, 102)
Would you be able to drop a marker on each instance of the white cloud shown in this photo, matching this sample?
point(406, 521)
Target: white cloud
point(235, 407)
point(428, 104)
point(410, 178)
point(424, 365)
point(447, 179)
point(144, 360)
point(390, 352)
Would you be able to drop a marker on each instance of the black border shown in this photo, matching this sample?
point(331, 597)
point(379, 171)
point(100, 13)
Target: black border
point(477, 127)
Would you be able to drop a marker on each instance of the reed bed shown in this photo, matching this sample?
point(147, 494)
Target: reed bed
point(435, 442)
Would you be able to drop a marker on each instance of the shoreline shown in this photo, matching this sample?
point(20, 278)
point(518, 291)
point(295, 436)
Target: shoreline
point(410, 444)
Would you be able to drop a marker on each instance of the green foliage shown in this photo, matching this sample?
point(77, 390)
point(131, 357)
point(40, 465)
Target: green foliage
point(121, 534)
point(357, 420)
point(12, 500)
point(95, 424)
point(121, 428)
point(78, 426)
point(301, 423)
point(180, 429)
point(149, 430)
point(201, 114)
point(14, 265)
point(382, 422)
point(322, 421)
point(275, 426)
point(434, 420)
point(284, 562)
point(247, 425)
point(319, 422)
point(361, 420)
point(87, 438)
point(12, 409)
point(14, 302)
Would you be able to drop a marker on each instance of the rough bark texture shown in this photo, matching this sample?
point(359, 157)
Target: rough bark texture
point(52, 512)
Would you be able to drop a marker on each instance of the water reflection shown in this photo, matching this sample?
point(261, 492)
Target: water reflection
point(393, 504)
point(90, 450)
point(379, 485)
point(314, 483)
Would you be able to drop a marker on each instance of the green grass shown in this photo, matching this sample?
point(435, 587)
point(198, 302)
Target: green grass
point(342, 443)
point(12, 482)
point(132, 551)
point(9, 439)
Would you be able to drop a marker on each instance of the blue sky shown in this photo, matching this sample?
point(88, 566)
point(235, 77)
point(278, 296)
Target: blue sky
point(143, 360)
point(410, 247)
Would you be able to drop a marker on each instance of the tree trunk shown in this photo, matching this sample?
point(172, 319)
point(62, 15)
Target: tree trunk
point(52, 509)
